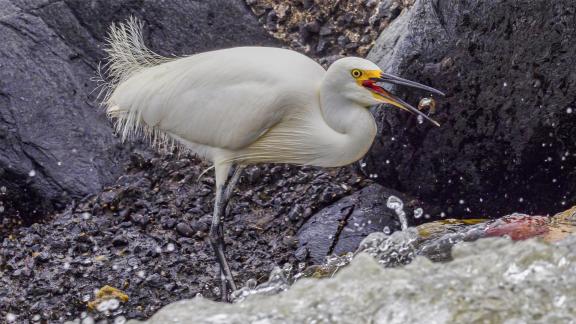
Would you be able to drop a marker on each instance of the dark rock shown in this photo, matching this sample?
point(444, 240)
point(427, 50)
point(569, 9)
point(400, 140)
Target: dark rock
point(120, 240)
point(156, 280)
point(184, 229)
point(271, 20)
point(504, 144)
point(343, 40)
point(295, 213)
point(340, 228)
point(301, 253)
point(325, 31)
point(55, 144)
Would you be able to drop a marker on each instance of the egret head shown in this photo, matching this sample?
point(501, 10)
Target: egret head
point(361, 81)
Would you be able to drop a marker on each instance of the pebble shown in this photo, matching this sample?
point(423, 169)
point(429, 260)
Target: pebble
point(301, 253)
point(119, 240)
point(184, 230)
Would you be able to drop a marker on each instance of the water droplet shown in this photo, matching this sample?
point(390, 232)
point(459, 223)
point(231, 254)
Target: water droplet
point(569, 110)
point(141, 274)
point(3, 188)
point(520, 199)
point(461, 201)
point(386, 230)
point(32, 173)
point(397, 205)
point(59, 163)
point(251, 283)
point(120, 320)
point(11, 318)
point(170, 247)
point(418, 212)
point(86, 215)
point(394, 203)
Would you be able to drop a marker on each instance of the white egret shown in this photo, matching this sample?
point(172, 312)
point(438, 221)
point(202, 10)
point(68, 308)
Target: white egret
point(245, 105)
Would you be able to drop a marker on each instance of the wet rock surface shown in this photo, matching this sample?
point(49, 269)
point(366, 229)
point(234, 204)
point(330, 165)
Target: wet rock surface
point(55, 145)
point(146, 236)
point(340, 227)
point(506, 140)
point(491, 280)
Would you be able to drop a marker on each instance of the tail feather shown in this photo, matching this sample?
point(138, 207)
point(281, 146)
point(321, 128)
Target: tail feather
point(127, 55)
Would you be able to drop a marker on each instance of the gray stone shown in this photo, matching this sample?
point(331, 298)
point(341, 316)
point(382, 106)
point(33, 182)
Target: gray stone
point(340, 227)
point(507, 137)
point(55, 144)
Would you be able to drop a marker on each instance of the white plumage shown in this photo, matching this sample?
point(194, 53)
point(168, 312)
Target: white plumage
point(245, 105)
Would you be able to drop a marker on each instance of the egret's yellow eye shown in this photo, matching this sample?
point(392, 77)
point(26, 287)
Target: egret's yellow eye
point(356, 73)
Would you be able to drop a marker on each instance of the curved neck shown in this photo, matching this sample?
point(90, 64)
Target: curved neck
point(353, 128)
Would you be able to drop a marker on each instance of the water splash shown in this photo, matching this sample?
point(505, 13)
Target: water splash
point(488, 280)
point(391, 250)
point(397, 205)
point(278, 281)
point(492, 280)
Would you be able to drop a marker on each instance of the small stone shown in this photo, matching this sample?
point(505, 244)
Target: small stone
point(295, 213)
point(325, 31)
point(120, 240)
point(343, 40)
point(184, 230)
point(155, 280)
point(290, 241)
point(301, 254)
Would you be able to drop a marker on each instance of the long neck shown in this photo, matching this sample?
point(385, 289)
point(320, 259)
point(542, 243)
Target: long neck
point(353, 129)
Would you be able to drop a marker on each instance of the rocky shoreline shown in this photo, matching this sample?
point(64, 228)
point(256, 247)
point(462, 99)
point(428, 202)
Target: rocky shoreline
point(80, 211)
point(146, 236)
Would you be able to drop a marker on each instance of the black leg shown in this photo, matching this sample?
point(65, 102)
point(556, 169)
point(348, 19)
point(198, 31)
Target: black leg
point(223, 193)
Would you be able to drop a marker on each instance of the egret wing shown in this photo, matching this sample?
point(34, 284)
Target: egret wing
point(224, 99)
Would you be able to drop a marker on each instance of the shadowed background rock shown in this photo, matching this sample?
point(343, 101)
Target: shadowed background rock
point(507, 138)
point(54, 143)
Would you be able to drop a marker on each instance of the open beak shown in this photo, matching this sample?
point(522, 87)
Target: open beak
point(389, 98)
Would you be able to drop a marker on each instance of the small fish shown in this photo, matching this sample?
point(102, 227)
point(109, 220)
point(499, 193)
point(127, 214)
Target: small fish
point(427, 103)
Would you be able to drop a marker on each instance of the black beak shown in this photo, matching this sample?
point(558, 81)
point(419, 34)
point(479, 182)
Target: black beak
point(388, 78)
